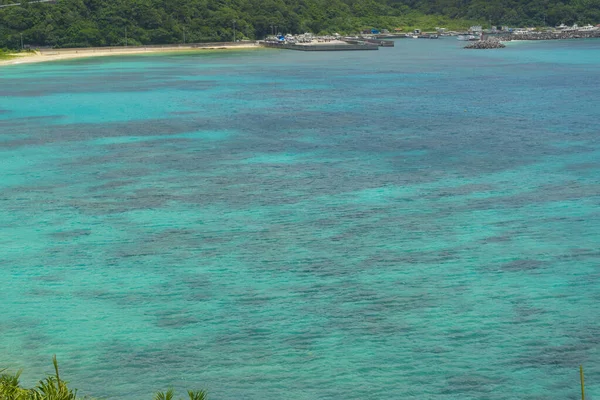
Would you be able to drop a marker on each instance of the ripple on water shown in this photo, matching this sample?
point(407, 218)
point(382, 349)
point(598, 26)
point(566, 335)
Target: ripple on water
point(293, 226)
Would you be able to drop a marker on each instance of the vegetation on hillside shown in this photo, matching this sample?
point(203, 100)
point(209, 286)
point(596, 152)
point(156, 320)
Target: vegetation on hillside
point(54, 388)
point(74, 23)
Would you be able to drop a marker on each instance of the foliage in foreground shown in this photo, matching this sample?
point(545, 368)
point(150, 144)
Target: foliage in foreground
point(49, 388)
point(54, 388)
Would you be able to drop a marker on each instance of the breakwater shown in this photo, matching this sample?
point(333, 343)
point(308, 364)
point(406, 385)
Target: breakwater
point(492, 43)
point(548, 35)
point(495, 41)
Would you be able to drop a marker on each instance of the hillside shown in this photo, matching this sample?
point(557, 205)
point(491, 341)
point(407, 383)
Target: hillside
point(70, 23)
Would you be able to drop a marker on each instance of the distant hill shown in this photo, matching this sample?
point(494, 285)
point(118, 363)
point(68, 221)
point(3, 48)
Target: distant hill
point(74, 23)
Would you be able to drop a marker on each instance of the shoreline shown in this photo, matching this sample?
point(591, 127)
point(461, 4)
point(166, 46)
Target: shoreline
point(47, 55)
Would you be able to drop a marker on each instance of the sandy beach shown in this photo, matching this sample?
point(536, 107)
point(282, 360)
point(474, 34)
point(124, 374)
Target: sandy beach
point(68, 54)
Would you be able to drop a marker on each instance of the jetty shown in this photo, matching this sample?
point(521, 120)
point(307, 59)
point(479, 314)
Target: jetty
point(375, 42)
point(328, 46)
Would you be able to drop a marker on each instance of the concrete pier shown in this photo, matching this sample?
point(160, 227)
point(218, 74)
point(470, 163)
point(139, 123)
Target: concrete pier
point(320, 46)
point(376, 42)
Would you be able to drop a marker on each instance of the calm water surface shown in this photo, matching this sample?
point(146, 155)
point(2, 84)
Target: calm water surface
point(420, 222)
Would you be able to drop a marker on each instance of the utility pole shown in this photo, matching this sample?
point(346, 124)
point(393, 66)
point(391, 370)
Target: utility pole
point(125, 36)
point(272, 30)
point(184, 35)
point(22, 47)
point(234, 31)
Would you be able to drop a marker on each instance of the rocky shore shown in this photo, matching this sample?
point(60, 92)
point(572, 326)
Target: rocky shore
point(549, 35)
point(491, 43)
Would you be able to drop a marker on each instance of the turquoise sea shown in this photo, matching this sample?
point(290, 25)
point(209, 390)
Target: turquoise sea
point(421, 222)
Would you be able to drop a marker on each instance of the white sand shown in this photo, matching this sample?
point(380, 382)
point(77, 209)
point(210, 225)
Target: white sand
point(67, 54)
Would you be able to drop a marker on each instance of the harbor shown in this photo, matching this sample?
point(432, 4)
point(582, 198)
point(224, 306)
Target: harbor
point(479, 38)
point(335, 42)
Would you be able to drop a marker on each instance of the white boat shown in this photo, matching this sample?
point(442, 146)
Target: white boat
point(574, 28)
point(466, 38)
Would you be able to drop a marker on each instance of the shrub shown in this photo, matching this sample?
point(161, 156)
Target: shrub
point(54, 388)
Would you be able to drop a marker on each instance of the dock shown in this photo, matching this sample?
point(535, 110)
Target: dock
point(337, 46)
point(375, 42)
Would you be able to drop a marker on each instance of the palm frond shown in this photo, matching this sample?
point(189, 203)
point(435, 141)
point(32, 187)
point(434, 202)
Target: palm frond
point(198, 394)
point(168, 395)
point(55, 362)
point(10, 388)
point(8, 379)
point(52, 388)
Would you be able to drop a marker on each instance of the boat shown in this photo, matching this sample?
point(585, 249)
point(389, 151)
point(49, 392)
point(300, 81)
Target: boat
point(466, 38)
point(573, 28)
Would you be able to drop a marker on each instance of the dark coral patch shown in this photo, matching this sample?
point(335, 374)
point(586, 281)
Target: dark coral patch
point(522, 265)
point(70, 234)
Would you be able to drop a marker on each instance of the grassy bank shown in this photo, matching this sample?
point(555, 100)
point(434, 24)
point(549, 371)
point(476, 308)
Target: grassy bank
point(5, 56)
point(54, 388)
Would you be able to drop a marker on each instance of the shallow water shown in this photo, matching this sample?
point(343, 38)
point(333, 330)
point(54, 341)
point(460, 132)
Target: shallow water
point(419, 222)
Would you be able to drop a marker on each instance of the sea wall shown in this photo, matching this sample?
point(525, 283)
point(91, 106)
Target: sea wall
point(548, 35)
